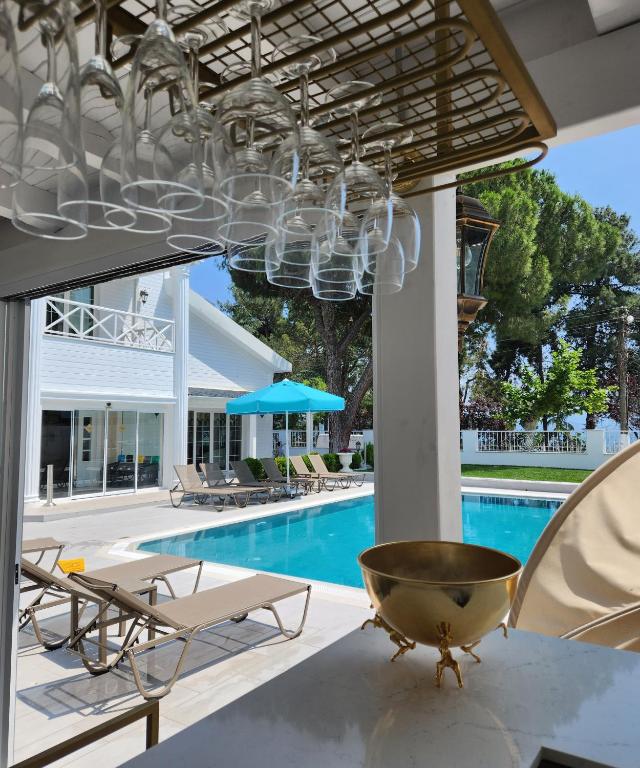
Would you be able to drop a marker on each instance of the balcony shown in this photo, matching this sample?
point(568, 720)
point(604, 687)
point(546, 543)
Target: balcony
point(88, 322)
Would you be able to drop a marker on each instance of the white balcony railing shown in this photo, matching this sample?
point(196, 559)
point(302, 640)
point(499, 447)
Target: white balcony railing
point(88, 322)
point(531, 442)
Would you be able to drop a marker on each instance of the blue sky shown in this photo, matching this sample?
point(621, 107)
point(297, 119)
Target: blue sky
point(604, 170)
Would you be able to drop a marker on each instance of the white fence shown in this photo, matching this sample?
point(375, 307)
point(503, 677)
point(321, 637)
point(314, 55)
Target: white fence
point(570, 450)
point(73, 319)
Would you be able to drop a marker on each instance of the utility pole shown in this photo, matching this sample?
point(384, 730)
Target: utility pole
point(624, 321)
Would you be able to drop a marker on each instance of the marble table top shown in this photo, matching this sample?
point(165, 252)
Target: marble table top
point(348, 706)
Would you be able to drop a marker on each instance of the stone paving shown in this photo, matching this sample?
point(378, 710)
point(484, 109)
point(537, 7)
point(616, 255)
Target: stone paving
point(57, 698)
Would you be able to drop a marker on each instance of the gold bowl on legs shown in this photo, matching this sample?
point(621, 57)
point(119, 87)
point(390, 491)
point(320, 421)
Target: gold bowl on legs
point(438, 593)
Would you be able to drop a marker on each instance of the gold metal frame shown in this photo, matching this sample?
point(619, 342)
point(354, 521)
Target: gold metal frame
point(446, 69)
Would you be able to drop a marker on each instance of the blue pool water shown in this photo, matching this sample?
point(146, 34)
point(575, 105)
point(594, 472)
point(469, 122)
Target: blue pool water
point(322, 542)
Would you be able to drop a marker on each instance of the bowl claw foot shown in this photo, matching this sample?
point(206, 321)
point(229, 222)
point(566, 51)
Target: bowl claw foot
point(396, 637)
point(446, 658)
point(469, 649)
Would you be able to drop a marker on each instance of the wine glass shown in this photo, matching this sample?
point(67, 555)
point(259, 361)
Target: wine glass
point(11, 119)
point(334, 269)
point(389, 217)
point(388, 276)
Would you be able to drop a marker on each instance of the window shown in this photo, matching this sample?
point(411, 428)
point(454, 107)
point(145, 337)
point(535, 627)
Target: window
point(190, 438)
point(203, 438)
point(235, 438)
point(219, 442)
point(69, 325)
point(87, 430)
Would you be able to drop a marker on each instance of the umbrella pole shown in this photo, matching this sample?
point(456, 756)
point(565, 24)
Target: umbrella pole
point(286, 431)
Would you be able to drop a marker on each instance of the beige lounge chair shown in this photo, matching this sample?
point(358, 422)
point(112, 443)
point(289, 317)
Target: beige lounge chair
point(301, 470)
point(189, 484)
point(41, 546)
point(184, 618)
point(275, 476)
point(214, 478)
point(317, 462)
point(246, 477)
point(582, 580)
point(54, 591)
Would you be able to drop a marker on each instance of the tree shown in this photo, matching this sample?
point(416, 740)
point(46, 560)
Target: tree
point(564, 390)
point(329, 340)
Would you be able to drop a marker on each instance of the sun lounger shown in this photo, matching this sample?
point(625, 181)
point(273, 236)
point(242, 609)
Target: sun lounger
point(582, 580)
point(41, 547)
point(275, 476)
point(54, 591)
point(317, 462)
point(214, 478)
point(189, 483)
point(301, 469)
point(183, 619)
point(247, 478)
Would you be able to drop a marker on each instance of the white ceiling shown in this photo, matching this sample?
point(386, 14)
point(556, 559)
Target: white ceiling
point(613, 14)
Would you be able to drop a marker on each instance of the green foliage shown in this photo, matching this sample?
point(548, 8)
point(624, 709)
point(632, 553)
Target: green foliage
point(332, 462)
point(356, 461)
point(369, 455)
point(564, 390)
point(281, 462)
point(307, 461)
point(255, 465)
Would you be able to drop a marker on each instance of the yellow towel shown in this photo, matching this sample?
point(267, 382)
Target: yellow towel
point(73, 565)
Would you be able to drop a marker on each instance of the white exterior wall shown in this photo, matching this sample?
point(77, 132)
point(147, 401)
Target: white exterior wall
point(592, 458)
point(73, 367)
point(264, 436)
point(218, 362)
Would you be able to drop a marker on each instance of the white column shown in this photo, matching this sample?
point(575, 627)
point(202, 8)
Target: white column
point(250, 435)
point(309, 432)
point(417, 452)
point(34, 408)
point(180, 294)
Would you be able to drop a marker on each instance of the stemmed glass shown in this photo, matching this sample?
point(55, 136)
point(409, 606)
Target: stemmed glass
point(251, 120)
point(389, 220)
point(152, 177)
point(196, 231)
point(11, 121)
point(52, 145)
point(304, 161)
point(97, 72)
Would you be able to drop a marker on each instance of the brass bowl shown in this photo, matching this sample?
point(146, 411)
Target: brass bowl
point(439, 593)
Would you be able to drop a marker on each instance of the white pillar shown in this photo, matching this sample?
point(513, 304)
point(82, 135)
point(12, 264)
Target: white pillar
point(180, 294)
point(34, 408)
point(417, 453)
point(250, 435)
point(309, 432)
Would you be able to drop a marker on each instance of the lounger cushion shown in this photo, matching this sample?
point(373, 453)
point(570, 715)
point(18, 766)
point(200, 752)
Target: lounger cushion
point(144, 568)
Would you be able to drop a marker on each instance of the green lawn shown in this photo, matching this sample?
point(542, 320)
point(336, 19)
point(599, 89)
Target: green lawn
point(525, 473)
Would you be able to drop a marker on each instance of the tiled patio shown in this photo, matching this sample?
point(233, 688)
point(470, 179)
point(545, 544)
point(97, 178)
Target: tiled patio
point(57, 698)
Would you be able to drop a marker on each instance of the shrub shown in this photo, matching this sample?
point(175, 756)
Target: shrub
point(255, 465)
point(369, 455)
point(281, 461)
point(307, 461)
point(356, 461)
point(332, 462)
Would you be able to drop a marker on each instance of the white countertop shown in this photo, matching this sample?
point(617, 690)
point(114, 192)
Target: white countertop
point(348, 706)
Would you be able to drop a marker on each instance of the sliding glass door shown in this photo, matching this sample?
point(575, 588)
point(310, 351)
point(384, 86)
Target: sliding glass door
point(214, 437)
point(97, 452)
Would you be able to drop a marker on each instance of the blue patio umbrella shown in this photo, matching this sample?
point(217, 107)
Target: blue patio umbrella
point(286, 397)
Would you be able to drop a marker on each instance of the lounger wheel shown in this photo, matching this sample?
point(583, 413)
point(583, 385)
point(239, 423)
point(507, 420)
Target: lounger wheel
point(239, 618)
point(241, 501)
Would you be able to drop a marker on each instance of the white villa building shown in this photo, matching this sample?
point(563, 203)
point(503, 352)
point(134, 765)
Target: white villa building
point(130, 377)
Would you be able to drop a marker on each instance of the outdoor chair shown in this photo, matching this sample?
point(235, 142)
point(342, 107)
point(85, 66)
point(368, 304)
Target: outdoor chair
point(183, 619)
point(582, 580)
point(52, 590)
point(275, 476)
point(40, 547)
point(246, 477)
point(301, 470)
point(214, 478)
point(317, 462)
point(189, 484)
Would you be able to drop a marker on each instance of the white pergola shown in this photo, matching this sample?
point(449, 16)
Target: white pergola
point(584, 56)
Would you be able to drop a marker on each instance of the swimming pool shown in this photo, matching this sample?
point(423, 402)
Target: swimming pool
point(322, 542)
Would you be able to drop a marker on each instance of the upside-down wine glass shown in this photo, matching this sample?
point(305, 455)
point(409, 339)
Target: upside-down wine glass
point(52, 150)
point(251, 120)
point(160, 167)
point(11, 118)
point(305, 162)
point(196, 231)
point(111, 212)
point(390, 220)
